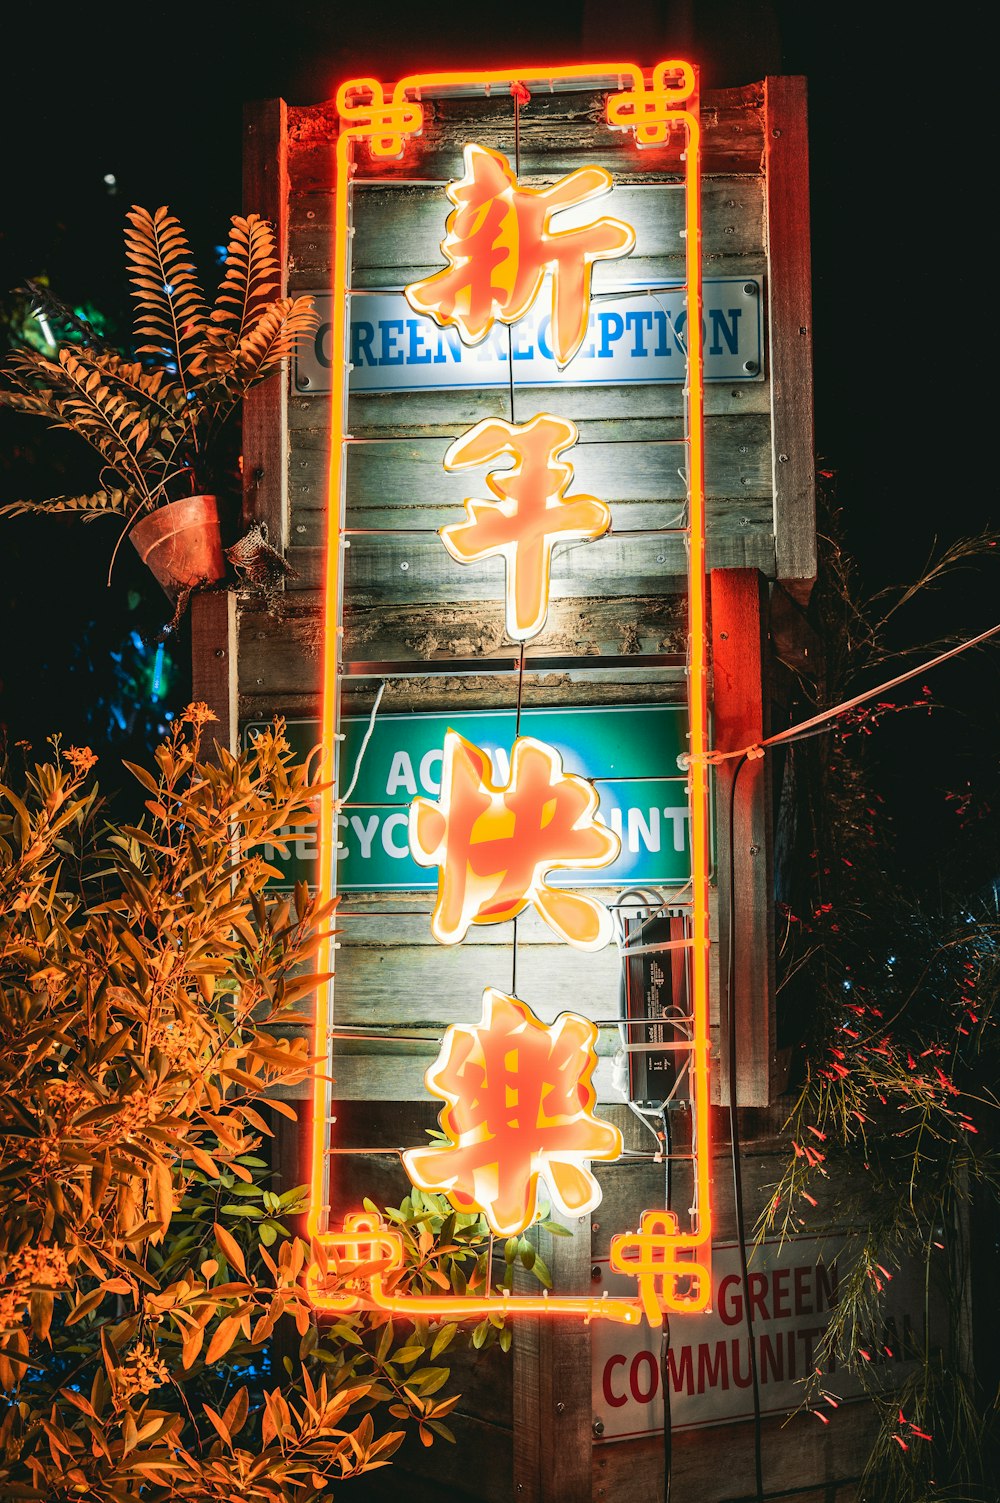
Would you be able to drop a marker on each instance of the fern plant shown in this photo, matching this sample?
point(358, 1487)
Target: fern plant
point(157, 420)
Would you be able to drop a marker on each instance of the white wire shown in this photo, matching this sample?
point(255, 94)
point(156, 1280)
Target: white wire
point(364, 745)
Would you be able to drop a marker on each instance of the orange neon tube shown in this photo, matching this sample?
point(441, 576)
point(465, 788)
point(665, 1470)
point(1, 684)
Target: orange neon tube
point(698, 688)
point(385, 123)
point(364, 1229)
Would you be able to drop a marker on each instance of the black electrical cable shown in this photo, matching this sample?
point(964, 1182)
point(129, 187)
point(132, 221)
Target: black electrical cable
point(668, 1436)
point(667, 1428)
point(734, 1136)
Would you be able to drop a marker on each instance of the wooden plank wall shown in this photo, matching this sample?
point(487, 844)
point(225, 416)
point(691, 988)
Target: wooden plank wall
point(409, 605)
point(432, 607)
point(406, 601)
point(802, 1459)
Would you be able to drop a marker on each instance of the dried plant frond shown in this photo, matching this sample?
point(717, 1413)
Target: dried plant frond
point(99, 504)
point(162, 424)
point(45, 301)
point(21, 399)
point(156, 389)
point(30, 370)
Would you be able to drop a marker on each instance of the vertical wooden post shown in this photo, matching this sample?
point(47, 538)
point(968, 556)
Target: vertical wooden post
point(265, 501)
point(552, 1393)
point(265, 408)
point(213, 661)
point(786, 157)
point(745, 862)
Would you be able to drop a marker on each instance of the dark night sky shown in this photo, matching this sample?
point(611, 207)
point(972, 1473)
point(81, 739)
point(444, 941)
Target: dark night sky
point(153, 95)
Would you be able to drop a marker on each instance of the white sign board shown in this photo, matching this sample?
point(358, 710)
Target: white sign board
point(635, 335)
point(793, 1289)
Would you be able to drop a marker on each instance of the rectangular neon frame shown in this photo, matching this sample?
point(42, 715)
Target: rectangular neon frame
point(652, 110)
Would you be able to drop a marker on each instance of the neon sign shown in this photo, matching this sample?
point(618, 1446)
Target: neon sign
point(519, 1105)
point(494, 845)
point(500, 246)
point(531, 515)
point(668, 1277)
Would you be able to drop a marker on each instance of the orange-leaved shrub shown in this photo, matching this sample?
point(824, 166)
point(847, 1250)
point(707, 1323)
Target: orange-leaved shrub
point(148, 979)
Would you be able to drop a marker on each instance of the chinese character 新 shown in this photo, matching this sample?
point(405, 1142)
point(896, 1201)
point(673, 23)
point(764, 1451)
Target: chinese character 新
point(532, 512)
point(500, 245)
point(495, 845)
point(519, 1105)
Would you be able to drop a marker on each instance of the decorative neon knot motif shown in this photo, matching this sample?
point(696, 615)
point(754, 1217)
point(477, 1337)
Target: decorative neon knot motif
point(658, 1267)
point(519, 1106)
point(365, 1248)
point(382, 122)
point(651, 113)
point(499, 246)
point(495, 845)
point(532, 514)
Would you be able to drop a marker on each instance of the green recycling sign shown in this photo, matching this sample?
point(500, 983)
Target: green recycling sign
point(629, 752)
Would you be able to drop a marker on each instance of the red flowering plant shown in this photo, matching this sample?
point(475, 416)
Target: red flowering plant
point(889, 1008)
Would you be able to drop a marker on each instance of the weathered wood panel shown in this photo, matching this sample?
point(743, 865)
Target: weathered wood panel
point(286, 644)
point(391, 1075)
point(639, 566)
point(469, 691)
point(265, 407)
point(398, 232)
point(628, 1187)
point(446, 413)
point(645, 541)
point(395, 569)
point(619, 459)
point(214, 661)
point(790, 325)
point(635, 464)
point(395, 981)
point(559, 132)
point(379, 1071)
point(552, 1360)
point(795, 1453)
point(288, 683)
point(409, 981)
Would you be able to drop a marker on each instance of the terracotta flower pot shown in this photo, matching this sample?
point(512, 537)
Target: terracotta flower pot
point(181, 543)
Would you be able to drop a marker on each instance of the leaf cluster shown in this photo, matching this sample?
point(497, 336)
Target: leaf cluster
point(454, 1252)
point(894, 1107)
point(156, 419)
point(150, 987)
